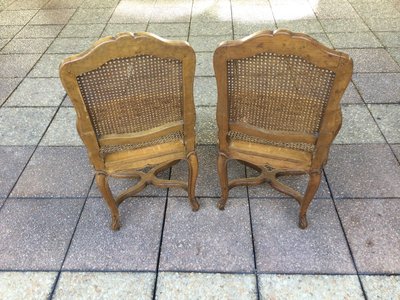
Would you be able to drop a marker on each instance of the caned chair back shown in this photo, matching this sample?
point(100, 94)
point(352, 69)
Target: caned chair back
point(131, 92)
point(281, 89)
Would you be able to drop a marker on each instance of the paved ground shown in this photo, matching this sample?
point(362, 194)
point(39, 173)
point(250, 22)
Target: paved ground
point(54, 236)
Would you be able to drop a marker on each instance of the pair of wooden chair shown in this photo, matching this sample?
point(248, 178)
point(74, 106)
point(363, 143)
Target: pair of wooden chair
point(278, 110)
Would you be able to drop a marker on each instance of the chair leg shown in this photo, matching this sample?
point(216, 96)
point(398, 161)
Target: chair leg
point(312, 187)
point(193, 172)
point(223, 179)
point(102, 183)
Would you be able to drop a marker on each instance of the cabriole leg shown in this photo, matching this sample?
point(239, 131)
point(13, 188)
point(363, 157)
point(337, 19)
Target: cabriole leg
point(102, 184)
point(223, 179)
point(193, 172)
point(312, 187)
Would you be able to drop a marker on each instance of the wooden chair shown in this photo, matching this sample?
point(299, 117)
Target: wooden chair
point(278, 108)
point(133, 95)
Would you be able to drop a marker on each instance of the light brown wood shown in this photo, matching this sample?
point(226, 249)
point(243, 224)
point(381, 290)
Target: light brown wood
point(133, 95)
point(278, 109)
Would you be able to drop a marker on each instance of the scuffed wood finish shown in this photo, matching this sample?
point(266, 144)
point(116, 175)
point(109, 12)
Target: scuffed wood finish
point(130, 162)
point(272, 160)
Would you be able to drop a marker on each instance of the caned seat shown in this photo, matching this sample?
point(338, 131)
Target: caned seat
point(133, 95)
point(278, 108)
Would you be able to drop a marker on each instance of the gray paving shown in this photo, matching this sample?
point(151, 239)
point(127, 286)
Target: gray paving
point(55, 237)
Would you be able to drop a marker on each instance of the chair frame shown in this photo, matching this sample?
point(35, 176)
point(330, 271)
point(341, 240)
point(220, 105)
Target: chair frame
point(283, 42)
point(122, 46)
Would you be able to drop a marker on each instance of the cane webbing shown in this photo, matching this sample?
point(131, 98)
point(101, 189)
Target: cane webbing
point(278, 92)
point(128, 95)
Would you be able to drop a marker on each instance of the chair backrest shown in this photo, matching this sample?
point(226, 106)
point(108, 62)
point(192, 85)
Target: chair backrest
point(280, 88)
point(132, 91)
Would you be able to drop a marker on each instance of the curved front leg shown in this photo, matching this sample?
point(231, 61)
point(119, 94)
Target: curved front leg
point(223, 179)
point(193, 172)
point(102, 184)
point(312, 188)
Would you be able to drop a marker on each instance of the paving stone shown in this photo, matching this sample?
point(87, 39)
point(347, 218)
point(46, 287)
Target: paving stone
point(382, 24)
point(351, 95)
point(113, 29)
point(219, 12)
point(298, 183)
point(17, 65)
point(70, 45)
point(67, 102)
point(37, 92)
point(358, 126)
point(309, 287)
point(344, 25)
point(292, 11)
point(322, 38)
point(371, 227)
point(354, 40)
point(281, 246)
point(206, 125)
point(366, 10)
point(128, 12)
point(381, 287)
point(169, 29)
point(26, 285)
point(207, 43)
point(335, 11)
point(242, 29)
point(205, 286)
point(99, 3)
point(27, 46)
point(16, 17)
point(205, 91)
point(395, 53)
point(42, 236)
point(134, 247)
point(389, 39)
point(62, 131)
point(388, 118)
point(9, 31)
point(12, 161)
point(258, 13)
point(3, 42)
point(93, 285)
point(5, 3)
point(378, 88)
point(209, 239)
point(52, 16)
point(23, 126)
point(307, 26)
point(57, 4)
point(55, 172)
point(47, 66)
point(372, 60)
point(91, 15)
point(23, 4)
point(208, 180)
point(396, 149)
point(39, 31)
point(218, 28)
point(358, 171)
point(86, 30)
point(7, 86)
point(204, 65)
point(171, 13)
